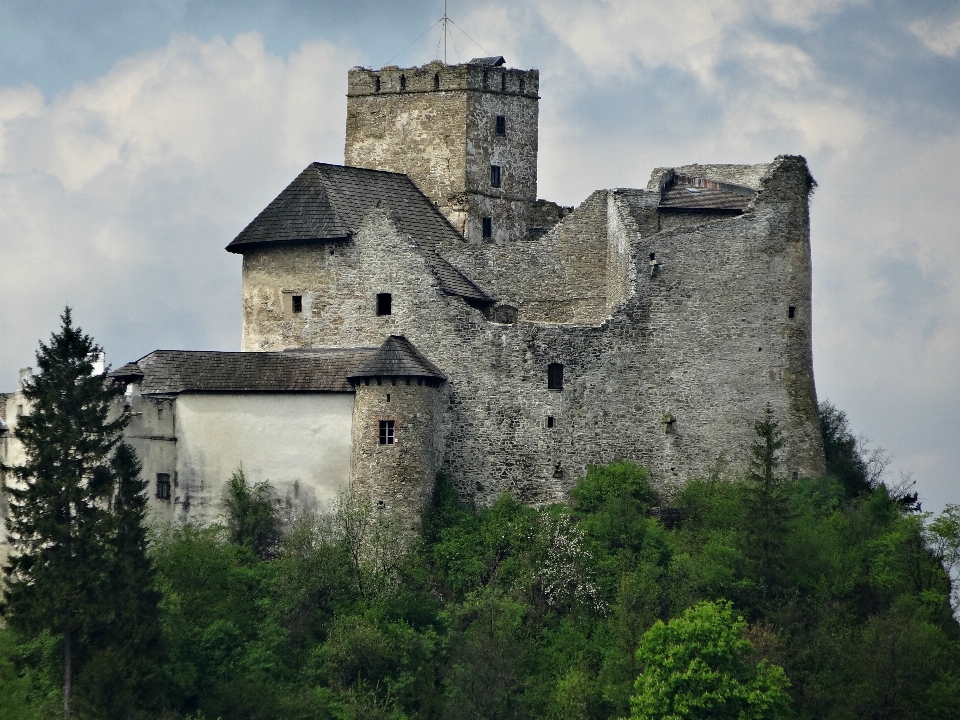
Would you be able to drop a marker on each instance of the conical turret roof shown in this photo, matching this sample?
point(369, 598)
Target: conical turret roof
point(397, 357)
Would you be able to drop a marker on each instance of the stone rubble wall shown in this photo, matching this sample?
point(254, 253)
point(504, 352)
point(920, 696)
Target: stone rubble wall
point(707, 340)
point(444, 138)
point(398, 476)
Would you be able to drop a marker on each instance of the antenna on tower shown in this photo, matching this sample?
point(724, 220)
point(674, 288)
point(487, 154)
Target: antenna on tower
point(445, 21)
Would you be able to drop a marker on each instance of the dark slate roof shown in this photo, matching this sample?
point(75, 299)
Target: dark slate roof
point(695, 194)
point(127, 372)
point(329, 202)
point(166, 372)
point(397, 357)
point(495, 61)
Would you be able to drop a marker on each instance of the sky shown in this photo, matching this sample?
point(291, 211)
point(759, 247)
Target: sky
point(138, 137)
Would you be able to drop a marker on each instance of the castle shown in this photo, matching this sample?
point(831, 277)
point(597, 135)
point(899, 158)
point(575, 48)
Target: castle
point(419, 309)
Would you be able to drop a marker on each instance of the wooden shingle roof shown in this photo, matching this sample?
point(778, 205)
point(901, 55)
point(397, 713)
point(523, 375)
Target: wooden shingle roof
point(170, 372)
point(328, 202)
point(397, 357)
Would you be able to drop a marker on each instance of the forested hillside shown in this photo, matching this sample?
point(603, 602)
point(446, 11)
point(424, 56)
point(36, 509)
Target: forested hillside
point(753, 597)
point(517, 612)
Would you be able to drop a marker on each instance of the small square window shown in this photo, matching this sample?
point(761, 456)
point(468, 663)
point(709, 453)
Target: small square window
point(501, 125)
point(792, 312)
point(296, 303)
point(163, 486)
point(550, 421)
point(387, 432)
point(488, 227)
point(555, 376)
point(384, 304)
point(495, 176)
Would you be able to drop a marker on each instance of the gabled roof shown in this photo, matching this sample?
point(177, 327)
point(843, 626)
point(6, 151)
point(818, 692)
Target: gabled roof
point(170, 372)
point(328, 202)
point(495, 61)
point(397, 357)
point(684, 193)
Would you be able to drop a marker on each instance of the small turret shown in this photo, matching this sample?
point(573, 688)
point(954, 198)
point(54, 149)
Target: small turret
point(396, 438)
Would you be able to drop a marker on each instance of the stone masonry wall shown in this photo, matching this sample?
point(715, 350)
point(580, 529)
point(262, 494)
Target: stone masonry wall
point(440, 129)
point(559, 277)
point(398, 476)
point(707, 340)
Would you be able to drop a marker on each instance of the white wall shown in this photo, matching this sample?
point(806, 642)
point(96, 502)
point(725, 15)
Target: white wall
point(301, 443)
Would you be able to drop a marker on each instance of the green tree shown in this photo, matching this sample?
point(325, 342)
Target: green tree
point(252, 519)
point(58, 511)
point(767, 506)
point(698, 666)
point(858, 468)
point(120, 679)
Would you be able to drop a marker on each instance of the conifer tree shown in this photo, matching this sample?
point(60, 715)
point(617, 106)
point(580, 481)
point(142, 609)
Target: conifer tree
point(767, 506)
point(120, 678)
point(59, 519)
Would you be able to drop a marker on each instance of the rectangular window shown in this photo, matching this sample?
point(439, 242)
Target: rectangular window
point(501, 125)
point(792, 312)
point(550, 421)
point(495, 176)
point(163, 486)
point(297, 303)
point(386, 432)
point(384, 304)
point(555, 376)
point(488, 227)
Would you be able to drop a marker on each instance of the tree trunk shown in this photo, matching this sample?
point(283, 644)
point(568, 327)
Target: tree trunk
point(67, 672)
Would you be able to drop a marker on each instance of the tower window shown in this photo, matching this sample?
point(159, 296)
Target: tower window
point(792, 312)
point(384, 304)
point(387, 436)
point(403, 82)
point(555, 376)
point(522, 86)
point(163, 486)
point(550, 421)
point(501, 125)
point(503, 82)
point(376, 84)
point(436, 81)
point(297, 303)
point(488, 227)
point(495, 176)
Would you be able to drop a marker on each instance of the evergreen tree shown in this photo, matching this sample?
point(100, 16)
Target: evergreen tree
point(768, 508)
point(120, 679)
point(59, 519)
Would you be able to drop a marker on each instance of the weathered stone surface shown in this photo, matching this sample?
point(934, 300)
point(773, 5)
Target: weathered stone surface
point(655, 310)
point(441, 130)
point(707, 339)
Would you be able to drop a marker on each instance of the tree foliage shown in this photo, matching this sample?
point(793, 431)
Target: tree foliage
point(699, 665)
point(511, 611)
point(56, 576)
point(79, 574)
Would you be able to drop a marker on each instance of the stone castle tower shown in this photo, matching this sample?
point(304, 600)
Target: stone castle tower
point(465, 134)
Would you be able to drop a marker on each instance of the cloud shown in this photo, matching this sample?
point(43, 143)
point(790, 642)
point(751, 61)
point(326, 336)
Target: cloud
point(119, 195)
point(942, 38)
